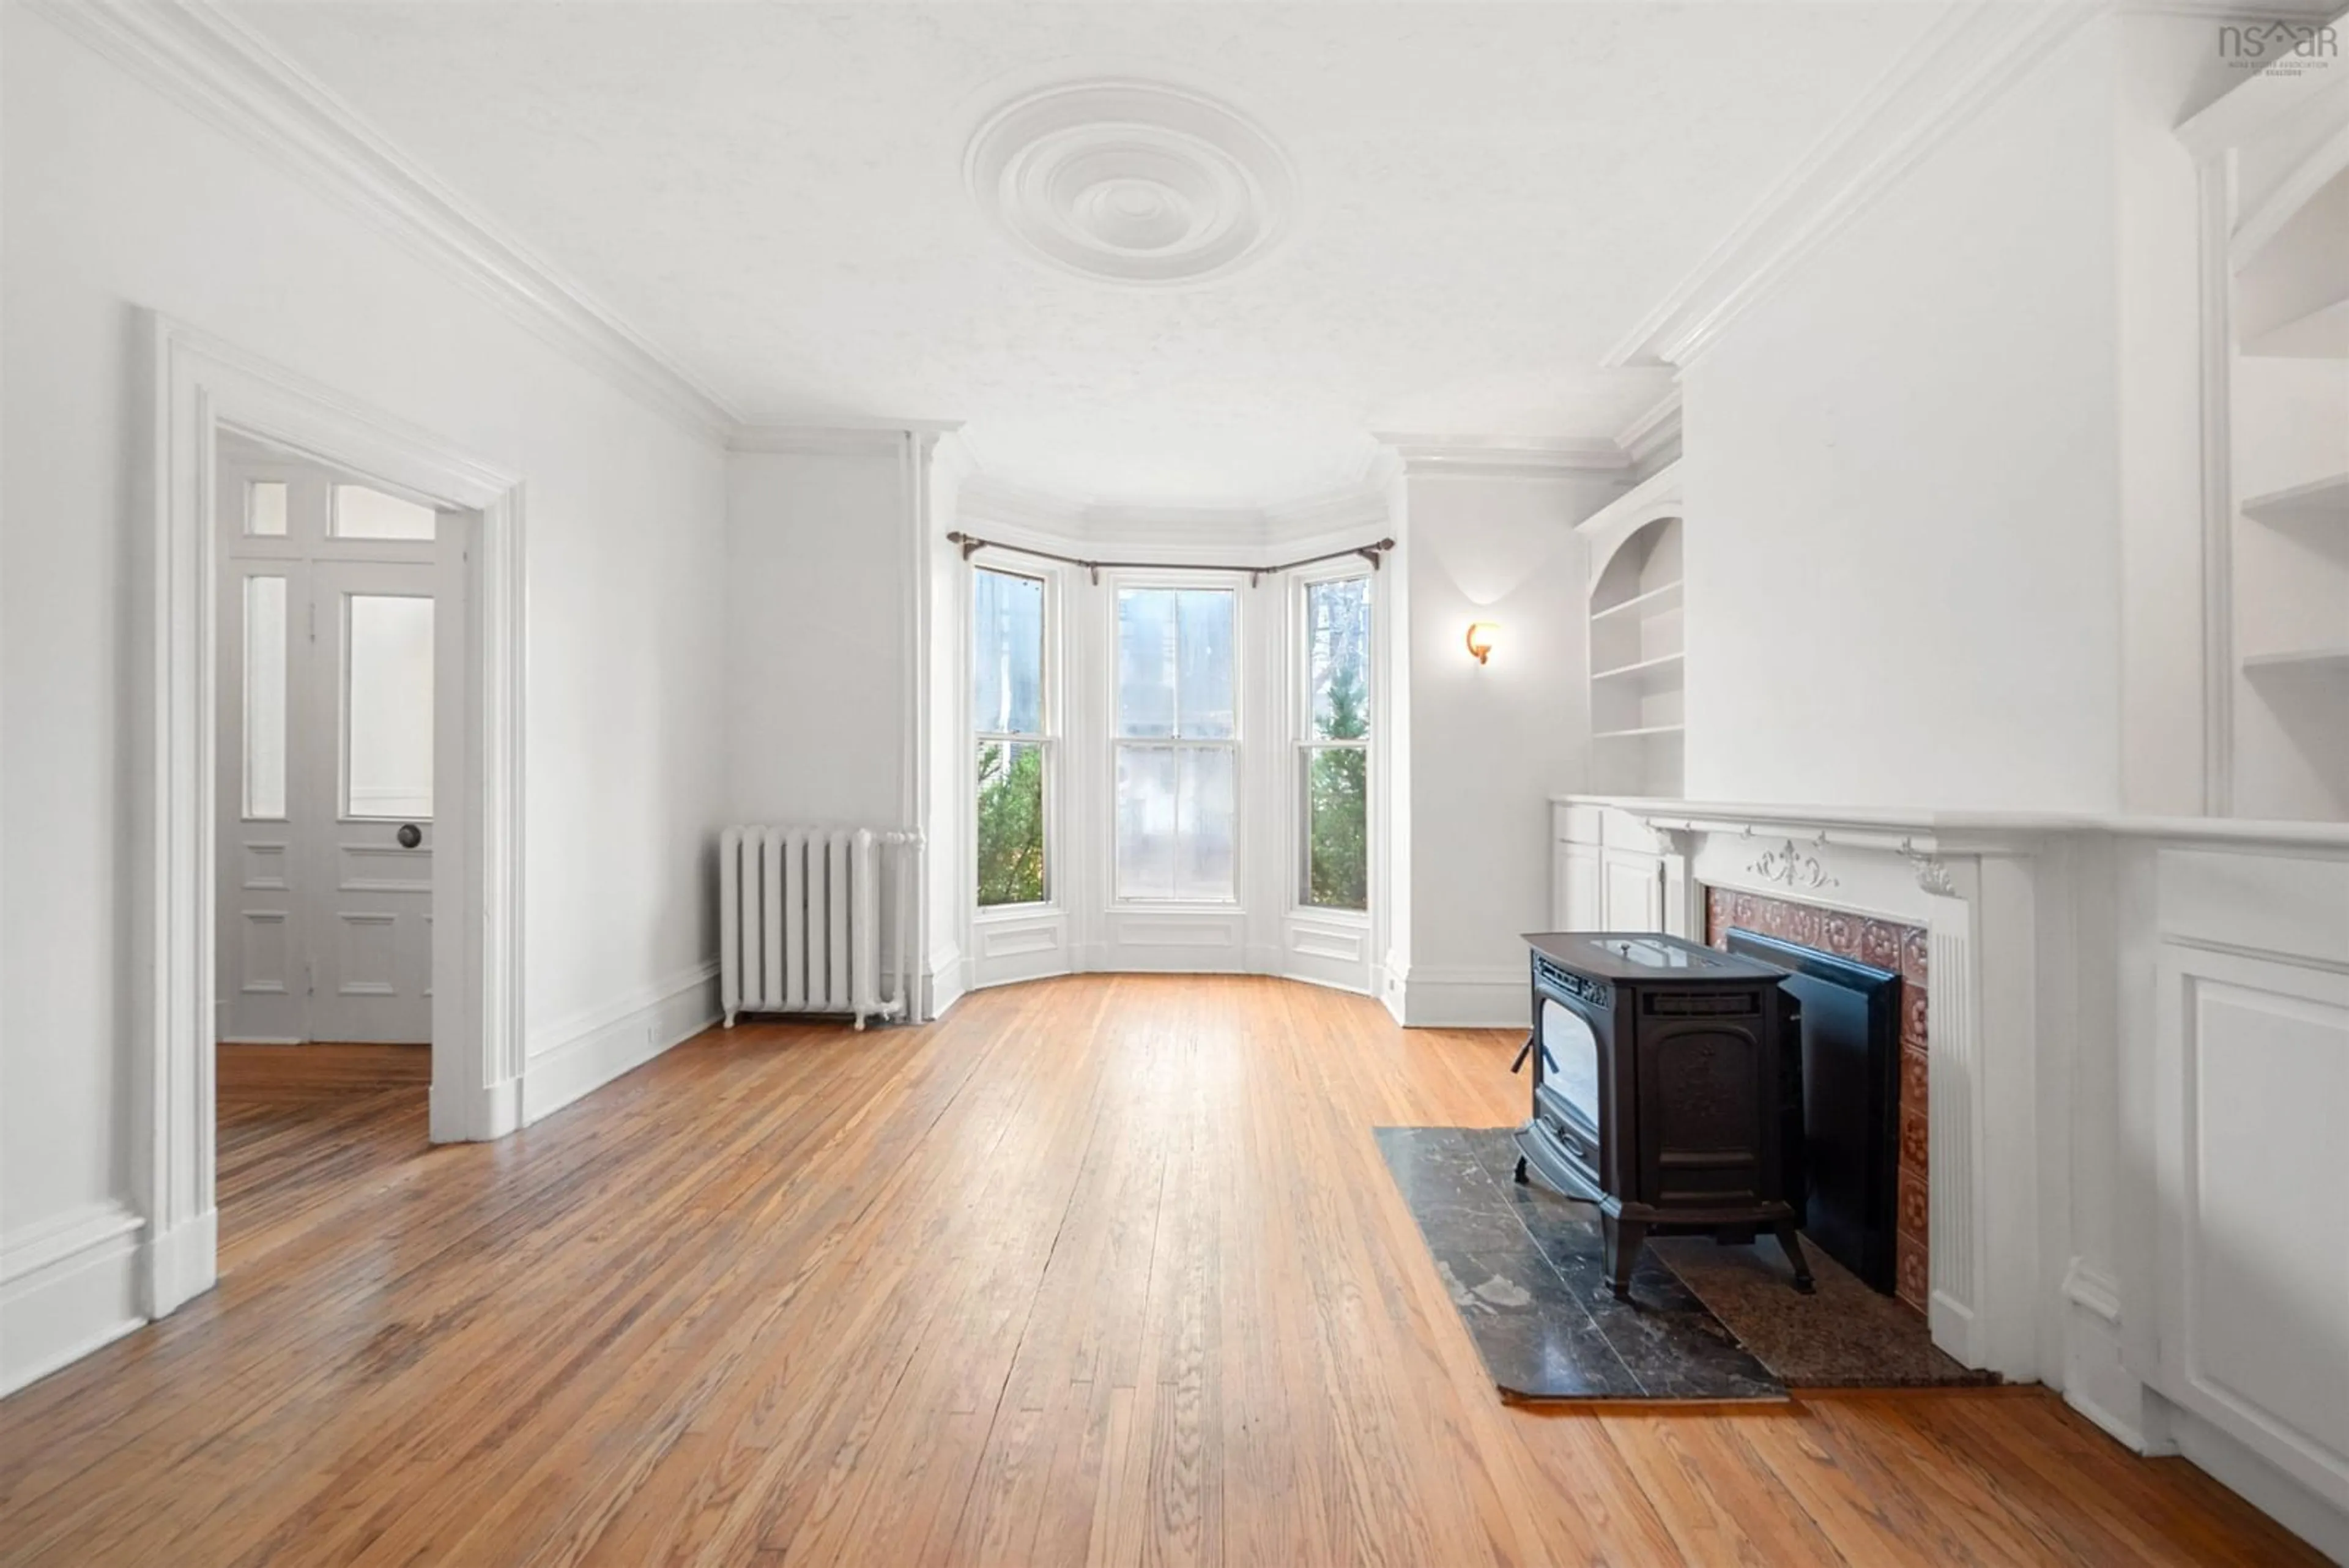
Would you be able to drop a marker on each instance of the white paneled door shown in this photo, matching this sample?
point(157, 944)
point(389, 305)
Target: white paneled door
point(330, 621)
point(371, 909)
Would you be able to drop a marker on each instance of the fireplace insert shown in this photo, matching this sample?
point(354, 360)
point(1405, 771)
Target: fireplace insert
point(1850, 1044)
point(1667, 1090)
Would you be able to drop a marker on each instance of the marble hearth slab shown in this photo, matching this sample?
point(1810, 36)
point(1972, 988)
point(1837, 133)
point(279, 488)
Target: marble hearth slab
point(1523, 1267)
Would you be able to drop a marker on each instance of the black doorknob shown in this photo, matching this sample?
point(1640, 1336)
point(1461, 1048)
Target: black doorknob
point(410, 836)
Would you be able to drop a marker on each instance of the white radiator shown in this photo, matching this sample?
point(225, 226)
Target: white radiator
point(800, 917)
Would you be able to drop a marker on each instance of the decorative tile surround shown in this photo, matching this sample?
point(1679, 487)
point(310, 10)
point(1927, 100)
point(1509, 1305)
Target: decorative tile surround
point(1888, 945)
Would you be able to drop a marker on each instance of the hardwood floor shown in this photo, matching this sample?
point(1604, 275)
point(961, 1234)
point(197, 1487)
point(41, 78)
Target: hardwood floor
point(1099, 1270)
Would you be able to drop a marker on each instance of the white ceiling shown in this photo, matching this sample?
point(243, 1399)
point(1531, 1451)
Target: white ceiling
point(1488, 196)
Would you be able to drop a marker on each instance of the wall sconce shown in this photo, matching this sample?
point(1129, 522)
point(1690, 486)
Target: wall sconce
point(1483, 636)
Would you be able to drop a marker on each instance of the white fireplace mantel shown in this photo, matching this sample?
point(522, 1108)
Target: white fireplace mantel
point(2138, 1055)
point(1972, 886)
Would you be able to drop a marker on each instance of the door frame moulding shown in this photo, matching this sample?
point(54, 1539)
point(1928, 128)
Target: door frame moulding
point(199, 385)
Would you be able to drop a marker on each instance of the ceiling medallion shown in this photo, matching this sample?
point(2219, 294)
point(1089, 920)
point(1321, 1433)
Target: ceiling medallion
point(1131, 181)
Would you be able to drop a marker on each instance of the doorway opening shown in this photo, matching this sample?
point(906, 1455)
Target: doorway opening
point(338, 603)
point(208, 399)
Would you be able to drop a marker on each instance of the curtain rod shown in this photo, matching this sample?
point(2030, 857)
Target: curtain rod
point(972, 542)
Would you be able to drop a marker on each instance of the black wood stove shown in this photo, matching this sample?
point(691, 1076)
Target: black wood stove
point(1667, 1089)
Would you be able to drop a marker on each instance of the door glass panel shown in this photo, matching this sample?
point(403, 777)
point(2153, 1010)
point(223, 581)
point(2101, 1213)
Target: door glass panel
point(264, 509)
point(388, 707)
point(265, 697)
point(361, 512)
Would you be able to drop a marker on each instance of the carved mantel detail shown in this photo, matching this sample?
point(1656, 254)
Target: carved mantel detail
point(1933, 876)
point(1789, 867)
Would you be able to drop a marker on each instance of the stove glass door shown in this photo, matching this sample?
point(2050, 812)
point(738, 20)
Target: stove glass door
point(1570, 1059)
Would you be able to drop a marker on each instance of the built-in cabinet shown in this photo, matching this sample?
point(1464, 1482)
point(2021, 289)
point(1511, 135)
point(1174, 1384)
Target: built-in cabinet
point(2247, 1327)
point(1638, 648)
point(1610, 872)
point(2275, 194)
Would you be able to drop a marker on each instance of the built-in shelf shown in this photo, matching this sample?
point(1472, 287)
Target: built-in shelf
point(1662, 668)
point(2322, 334)
point(1638, 644)
point(2320, 501)
point(1655, 601)
point(2334, 659)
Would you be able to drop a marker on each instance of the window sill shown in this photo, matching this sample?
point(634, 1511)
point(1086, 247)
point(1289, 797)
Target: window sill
point(1354, 917)
point(1002, 914)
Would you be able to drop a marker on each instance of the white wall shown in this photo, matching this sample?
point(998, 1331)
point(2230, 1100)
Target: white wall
point(1904, 572)
point(818, 605)
point(1489, 745)
point(2167, 69)
point(117, 199)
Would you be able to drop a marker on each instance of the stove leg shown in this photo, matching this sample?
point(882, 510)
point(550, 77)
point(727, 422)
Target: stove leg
point(1522, 1179)
point(1624, 1239)
point(1794, 1247)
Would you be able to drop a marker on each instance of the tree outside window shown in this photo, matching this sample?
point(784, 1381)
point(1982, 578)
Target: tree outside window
point(1007, 716)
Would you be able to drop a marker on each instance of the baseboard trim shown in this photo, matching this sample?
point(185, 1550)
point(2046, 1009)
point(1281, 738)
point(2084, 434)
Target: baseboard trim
point(67, 1287)
point(1350, 987)
point(947, 983)
point(2095, 1382)
point(2314, 1520)
point(478, 1115)
point(1462, 998)
point(181, 1263)
point(573, 1060)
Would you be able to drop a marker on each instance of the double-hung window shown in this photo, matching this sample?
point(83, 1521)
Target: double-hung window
point(1010, 716)
point(1334, 750)
point(1176, 738)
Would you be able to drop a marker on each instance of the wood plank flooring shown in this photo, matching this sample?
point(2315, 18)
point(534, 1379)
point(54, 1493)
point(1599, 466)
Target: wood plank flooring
point(1104, 1270)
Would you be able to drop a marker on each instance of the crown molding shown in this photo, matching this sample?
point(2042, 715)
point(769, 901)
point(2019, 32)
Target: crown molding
point(1654, 429)
point(1199, 529)
point(212, 64)
point(1965, 62)
point(847, 440)
point(984, 498)
point(1471, 457)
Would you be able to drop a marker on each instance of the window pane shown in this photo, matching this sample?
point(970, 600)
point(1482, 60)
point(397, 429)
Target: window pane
point(388, 707)
point(1204, 625)
point(364, 513)
point(1146, 662)
point(1011, 823)
point(1175, 822)
point(265, 697)
point(264, 508)
point(1338, 657)
point(1203, 867)
point(1008, 655)
point(1337, 823)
